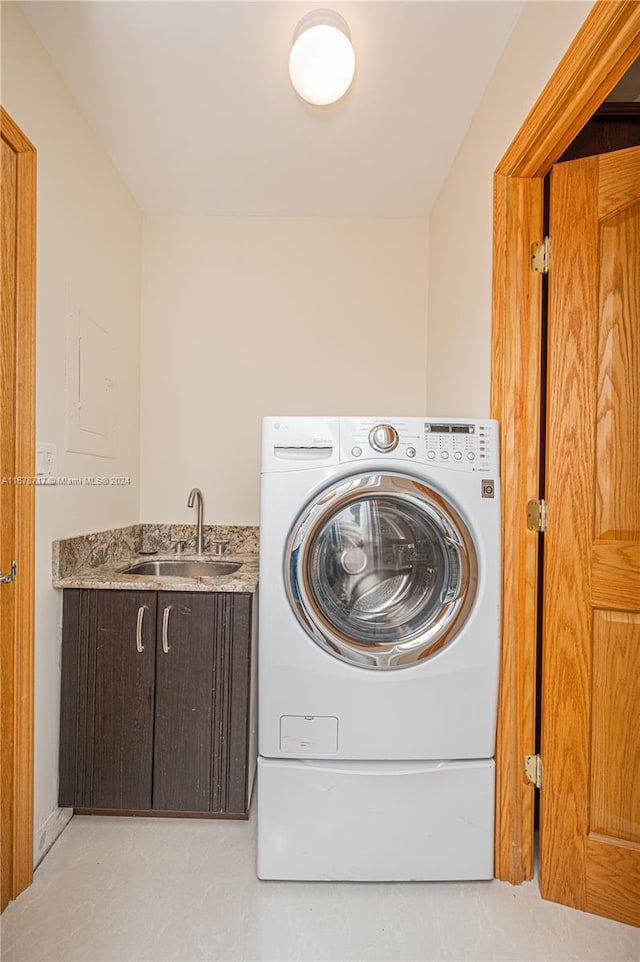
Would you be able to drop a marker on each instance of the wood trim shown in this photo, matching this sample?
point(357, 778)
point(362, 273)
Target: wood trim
point(604, 48)
point(517, 357)
point(25, 524)
point(618, 109)
point(13, 136)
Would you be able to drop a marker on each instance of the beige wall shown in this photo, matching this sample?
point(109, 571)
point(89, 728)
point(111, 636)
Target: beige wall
point(88, 249)
point(460, 224)
point(244, 317)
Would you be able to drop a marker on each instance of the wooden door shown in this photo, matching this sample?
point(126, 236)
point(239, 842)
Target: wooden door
point(590, 799)
point(122, 632)
point(17, 316)
point(183, 750)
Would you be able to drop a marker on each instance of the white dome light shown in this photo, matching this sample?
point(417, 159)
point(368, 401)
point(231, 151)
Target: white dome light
point(322, 61)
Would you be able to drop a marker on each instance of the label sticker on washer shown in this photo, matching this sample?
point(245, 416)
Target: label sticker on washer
point(488, 488)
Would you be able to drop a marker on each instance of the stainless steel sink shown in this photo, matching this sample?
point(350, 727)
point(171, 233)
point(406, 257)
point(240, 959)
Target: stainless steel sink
point(183, 568)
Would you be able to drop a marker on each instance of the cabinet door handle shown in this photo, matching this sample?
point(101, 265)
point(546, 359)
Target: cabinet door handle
point(139, 644)
point(165, 629)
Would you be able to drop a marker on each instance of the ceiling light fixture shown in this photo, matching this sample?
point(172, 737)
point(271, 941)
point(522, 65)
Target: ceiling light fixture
point(322, 61)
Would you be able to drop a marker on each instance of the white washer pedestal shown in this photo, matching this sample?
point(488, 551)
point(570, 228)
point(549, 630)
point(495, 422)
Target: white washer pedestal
point(375, 821)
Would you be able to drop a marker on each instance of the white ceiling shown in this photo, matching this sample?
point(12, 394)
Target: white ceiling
point(193, 102)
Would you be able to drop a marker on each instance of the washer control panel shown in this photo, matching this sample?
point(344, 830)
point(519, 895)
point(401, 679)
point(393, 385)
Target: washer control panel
point(462, 442)
point(463, 445)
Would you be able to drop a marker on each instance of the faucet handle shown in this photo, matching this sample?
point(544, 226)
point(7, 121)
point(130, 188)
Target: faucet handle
point(179, 544)
point(220, 544)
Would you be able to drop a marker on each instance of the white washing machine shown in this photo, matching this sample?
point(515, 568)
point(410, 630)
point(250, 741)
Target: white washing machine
point(378, 648)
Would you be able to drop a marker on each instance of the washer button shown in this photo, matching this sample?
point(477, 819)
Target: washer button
point(444, 455)
point(356, 452)
point(458, 455)
point(411, 452)
point(471, 455)
point(431, 455)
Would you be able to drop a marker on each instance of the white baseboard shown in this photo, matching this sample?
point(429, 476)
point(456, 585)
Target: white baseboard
point(48, 832)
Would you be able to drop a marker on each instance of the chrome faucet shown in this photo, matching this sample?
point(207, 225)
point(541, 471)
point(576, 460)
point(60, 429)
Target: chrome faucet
point(196, 495)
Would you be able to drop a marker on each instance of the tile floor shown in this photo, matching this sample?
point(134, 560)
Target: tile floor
point(125, 889)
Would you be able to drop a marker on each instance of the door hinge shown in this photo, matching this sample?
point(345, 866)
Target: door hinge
point(541, 256)
point(537, 515)
point(533, 769)
point(10, 576)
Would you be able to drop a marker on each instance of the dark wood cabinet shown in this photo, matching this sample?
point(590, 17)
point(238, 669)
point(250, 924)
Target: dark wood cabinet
point(156, 712)
point(185, 697)
point(121, 666)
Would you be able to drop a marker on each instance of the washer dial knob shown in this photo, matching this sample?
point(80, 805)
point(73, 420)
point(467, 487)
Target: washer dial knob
point(383, 438)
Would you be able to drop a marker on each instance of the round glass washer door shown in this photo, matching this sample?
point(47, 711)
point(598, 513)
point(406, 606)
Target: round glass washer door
point(381, 571)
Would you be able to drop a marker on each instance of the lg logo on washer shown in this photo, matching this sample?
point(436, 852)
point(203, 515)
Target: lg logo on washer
point(379, 645)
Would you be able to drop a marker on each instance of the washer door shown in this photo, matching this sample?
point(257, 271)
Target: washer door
point(381, 571)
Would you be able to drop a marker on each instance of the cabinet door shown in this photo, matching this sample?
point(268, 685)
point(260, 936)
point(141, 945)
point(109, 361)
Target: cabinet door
point(182, 767)
point(121, 632)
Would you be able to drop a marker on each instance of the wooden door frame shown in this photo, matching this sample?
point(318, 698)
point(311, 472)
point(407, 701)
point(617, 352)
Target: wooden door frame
point(22, 641)
point(602, 51)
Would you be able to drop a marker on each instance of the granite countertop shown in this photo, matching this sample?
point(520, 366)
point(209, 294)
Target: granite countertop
point(96, 560)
